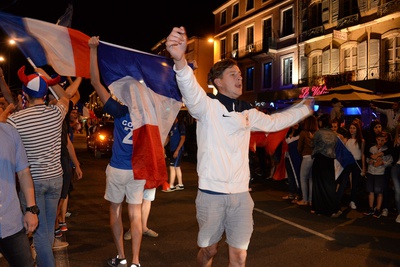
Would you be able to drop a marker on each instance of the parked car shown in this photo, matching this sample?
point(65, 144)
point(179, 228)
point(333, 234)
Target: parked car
point(100, 141)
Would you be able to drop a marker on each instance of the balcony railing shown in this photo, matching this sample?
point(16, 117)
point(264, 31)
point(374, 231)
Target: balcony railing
point(311, 33)
point(254, 48)
point(347, 21)
point(389, 8)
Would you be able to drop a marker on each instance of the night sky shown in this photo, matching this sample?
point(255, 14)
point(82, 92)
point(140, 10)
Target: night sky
point(135, 24)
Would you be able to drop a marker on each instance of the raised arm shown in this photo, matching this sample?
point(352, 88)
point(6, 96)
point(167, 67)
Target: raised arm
point(176, 46)
point(102, 92)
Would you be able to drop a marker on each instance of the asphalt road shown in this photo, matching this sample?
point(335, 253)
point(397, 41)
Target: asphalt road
point(284, 234)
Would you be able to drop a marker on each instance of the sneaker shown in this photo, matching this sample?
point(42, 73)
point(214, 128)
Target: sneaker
point(150, 233)
point(369, 212)
point(128, 235)
point(289, 197)
point(171, 189)
point(117, 262)
point(337, 214)
point(377, 214)
point(385, 212)
point(135, 265)
point(179, 187)
point(63, 226)
point(58, 244)
point(352, 205)
point(58, 232)
point(398, 218)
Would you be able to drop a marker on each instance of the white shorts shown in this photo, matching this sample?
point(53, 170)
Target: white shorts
point(120, 184)
point(149, 194)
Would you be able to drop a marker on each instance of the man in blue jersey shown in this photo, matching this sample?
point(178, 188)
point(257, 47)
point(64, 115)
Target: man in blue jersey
point(120, 182)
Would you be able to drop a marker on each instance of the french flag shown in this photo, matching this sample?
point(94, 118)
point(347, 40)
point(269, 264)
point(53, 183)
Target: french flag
point(146, 84)
point(44, 43)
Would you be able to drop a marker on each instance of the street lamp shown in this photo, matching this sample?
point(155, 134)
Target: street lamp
point(10, 42)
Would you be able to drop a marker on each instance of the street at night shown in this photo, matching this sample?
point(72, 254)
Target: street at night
point(284, 234)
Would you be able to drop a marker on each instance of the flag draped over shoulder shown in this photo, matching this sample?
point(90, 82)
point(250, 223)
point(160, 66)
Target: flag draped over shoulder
point(65, 49)
point(146, 84)
point(343, 157)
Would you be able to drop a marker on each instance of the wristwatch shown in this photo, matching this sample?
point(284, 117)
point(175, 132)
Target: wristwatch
point(33, 209)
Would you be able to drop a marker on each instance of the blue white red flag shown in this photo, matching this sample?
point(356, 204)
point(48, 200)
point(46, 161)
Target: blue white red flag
point(343, 157)
point(146, 84)
point(65, 49)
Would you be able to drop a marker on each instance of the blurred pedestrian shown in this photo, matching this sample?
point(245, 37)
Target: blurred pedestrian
point(120, 183)
point(14, 224)
point(324, 197)
point(39, 126)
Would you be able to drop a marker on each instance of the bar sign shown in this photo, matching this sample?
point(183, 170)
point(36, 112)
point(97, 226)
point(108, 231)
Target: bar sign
point(340, 35)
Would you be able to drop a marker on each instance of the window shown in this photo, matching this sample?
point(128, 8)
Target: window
point(250, 39)
point(235, 10)
point(287, 71)
point(267, 34)
point(249, 5)
point(287, 22)
point(223, 17)
point(235, 44)
point(392, 54)
point(249, 79)
point(316, 66)
point(267, 83)
point(350, 58)
point(223, 48)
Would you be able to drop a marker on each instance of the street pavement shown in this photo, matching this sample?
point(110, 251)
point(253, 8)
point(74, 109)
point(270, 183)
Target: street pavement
point(284, 234)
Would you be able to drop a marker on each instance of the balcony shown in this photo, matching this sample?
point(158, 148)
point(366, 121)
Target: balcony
point(389, 8)
point(347, 21)
point(311, 33)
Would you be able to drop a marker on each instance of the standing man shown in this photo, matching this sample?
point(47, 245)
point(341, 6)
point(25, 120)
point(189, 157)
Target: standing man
point(14, 242)
point(120, 182)
point(223, 202)
point(39, 126)
point(176, 138)
point(392, 116)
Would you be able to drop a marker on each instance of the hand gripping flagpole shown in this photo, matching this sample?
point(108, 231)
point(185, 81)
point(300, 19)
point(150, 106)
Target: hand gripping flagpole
point(34, 66)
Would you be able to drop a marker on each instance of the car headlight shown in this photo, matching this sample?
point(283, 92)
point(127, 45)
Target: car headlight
point(102, 137)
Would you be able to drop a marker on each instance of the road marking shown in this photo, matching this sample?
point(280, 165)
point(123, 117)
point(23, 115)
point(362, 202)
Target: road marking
point(295, 225)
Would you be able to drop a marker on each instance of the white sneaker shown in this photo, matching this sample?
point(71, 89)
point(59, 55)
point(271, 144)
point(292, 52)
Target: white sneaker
point(128, 235)
point(398, 218)
point(58, 244)
point(385, 212)
point(353, 205)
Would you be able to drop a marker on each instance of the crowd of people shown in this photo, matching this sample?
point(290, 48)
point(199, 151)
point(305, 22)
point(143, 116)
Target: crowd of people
point(224, 206)
point(371, 173)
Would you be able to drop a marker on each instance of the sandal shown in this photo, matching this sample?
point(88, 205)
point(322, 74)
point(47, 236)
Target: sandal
point(150, 233)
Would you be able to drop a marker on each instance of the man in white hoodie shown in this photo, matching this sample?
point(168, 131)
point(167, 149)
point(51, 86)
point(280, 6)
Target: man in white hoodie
point(223, 202)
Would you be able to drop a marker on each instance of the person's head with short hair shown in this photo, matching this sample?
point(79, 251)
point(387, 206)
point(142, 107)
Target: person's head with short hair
point(396, 106)
point(226, 76)
point(375, 127)
point(381, 139)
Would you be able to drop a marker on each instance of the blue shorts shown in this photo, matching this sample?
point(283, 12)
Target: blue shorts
point(120, 184)
point(230, 213)
point(175, 162)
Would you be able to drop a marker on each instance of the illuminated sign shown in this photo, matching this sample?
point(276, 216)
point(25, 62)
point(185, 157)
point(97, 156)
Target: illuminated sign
point(313, 91)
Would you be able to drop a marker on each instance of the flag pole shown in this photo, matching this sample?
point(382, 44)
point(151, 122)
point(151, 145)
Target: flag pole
point(34, 66)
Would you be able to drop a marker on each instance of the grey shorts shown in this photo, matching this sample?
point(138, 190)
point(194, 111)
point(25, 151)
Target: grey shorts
point(120, 184)
point(232, 214)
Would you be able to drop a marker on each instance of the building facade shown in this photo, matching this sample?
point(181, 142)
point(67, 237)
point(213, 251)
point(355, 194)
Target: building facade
point(289, 49)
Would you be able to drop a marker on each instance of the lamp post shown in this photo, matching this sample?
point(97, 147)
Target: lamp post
point(7, 59)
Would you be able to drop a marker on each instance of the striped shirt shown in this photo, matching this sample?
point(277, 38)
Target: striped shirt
point(40, 129)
